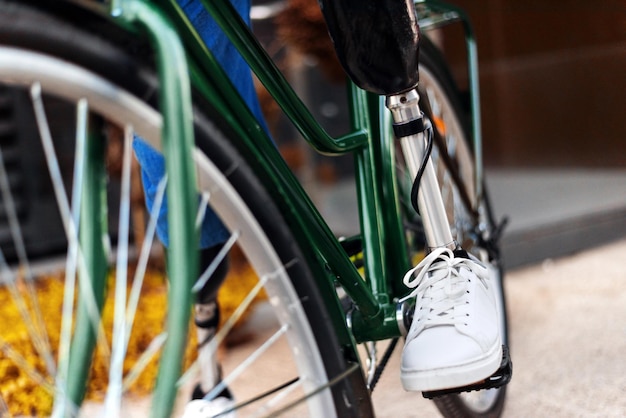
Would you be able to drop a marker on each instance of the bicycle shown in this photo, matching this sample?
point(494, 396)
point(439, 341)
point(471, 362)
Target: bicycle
point(139, 68)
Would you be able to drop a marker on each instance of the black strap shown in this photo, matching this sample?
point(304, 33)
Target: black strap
point(409, 128)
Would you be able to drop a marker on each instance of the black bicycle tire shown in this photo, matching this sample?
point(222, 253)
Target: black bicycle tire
point(453, 405)
point(68, 31)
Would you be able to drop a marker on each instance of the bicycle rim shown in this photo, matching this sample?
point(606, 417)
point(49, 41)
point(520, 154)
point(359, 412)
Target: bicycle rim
point(469, 215)
point(279, 312)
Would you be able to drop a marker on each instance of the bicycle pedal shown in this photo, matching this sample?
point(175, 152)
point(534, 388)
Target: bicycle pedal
point(501, 377)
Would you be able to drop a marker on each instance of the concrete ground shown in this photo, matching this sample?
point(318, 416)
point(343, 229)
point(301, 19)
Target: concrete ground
point(568, 341)
point(555, 213)
point(567, 319)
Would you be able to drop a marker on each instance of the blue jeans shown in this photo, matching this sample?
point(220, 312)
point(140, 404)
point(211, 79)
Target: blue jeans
point(152, 162)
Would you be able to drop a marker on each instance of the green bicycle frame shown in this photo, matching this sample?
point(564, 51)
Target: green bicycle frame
point(370, 139)
point(371, 142)
point(175, 103)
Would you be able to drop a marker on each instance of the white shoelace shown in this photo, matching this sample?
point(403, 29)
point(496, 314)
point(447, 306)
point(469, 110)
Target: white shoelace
point(439, 286)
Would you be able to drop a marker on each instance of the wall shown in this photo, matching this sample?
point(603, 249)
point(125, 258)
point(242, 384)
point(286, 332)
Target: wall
point(553, 80)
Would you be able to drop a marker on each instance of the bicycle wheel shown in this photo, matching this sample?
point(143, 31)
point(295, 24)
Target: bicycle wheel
point(280, 353)
point(469, 215)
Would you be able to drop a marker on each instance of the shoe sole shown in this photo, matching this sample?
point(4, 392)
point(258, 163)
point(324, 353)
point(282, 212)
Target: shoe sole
point(456, 376)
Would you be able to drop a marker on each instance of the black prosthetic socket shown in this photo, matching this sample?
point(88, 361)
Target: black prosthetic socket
point(198, 393)
point(377, 42)
point(207, 312)
point(209, 292)
point(207, 319)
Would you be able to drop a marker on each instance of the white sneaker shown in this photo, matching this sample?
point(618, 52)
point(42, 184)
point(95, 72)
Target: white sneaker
point(454, 339)
point(202, 408)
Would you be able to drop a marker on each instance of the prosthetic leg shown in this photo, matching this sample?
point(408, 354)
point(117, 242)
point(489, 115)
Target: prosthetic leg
point(454, 340)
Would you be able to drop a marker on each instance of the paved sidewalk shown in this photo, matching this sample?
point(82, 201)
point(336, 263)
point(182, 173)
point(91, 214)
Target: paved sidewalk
point(568, 332)
point(567, 320)
point(555, 212)
point(551, 212)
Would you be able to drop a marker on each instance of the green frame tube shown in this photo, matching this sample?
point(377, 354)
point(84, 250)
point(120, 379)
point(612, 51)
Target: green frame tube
point(177, 145)
point(316, 239)
point(433, 14)
point(319, 244)
point(94, 269)
point(369, 139)
point(175, 100)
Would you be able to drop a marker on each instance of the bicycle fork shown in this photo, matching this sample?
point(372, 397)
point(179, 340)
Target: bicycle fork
point(409, 126)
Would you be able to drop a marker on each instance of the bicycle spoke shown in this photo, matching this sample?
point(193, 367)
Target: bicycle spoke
point(51, 158)
point(4, 408)
point(227, 327)
point(239, 312)
point(9, 278)
point(87, 291)
point(120, 331)
point(144, 255)
point(25, 365)
point(282, 393)
point(35, 326)
point(353, 369)
point(142, 362)
point(206, 275)
point(202, 209)
point(120, 378)
point(62, 403)
point(246, 363)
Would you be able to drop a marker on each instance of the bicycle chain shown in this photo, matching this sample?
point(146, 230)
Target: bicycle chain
point(383, 363)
